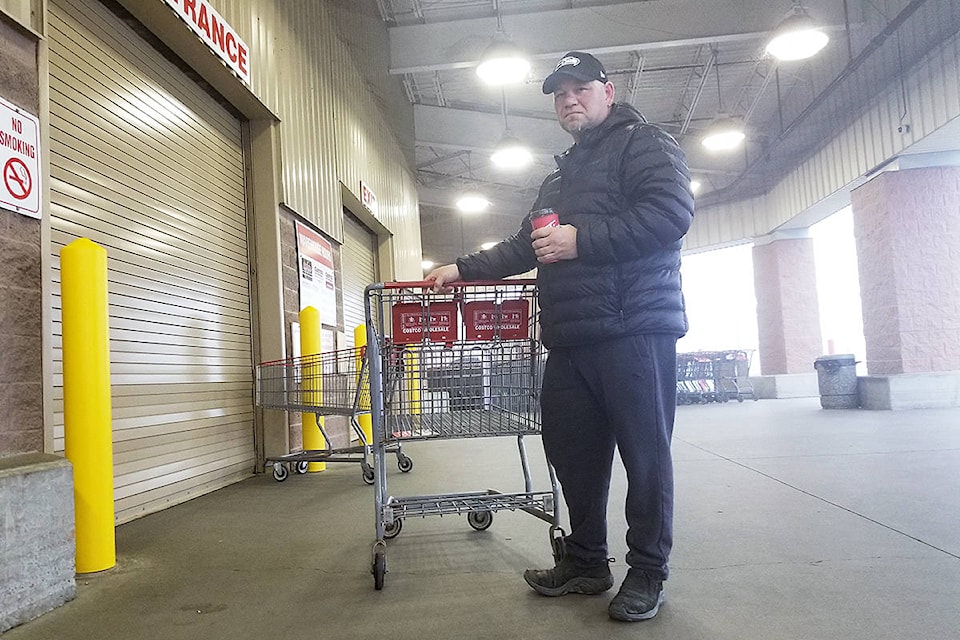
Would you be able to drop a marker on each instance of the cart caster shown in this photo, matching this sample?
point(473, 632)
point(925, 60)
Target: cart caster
point(404, 463)
point(392, 530)
point(368, 476)
point(480, 520)
point(379, 567)
point(302, 466)
point(280, 472)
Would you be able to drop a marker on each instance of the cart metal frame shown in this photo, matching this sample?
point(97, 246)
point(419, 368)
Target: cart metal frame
point(464, 364)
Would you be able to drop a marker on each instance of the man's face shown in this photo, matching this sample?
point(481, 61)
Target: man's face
point(582, 105)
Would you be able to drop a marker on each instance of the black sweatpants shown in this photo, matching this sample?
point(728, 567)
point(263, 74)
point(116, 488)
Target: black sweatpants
point(618, 393)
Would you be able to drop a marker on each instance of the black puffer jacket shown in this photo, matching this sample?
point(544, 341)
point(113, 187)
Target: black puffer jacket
point(626, 188)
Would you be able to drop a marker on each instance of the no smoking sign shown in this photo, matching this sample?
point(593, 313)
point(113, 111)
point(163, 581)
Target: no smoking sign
point(19, 160)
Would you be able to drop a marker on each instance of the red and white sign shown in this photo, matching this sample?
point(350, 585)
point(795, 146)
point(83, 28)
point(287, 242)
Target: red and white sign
point(318, 284)
point(414, 322)
point(19, 160)
point(368, 198)
point(486, 320)
point(216, 33)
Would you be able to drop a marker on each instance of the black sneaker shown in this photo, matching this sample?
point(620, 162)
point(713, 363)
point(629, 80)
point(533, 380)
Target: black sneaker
point(570, 577)
point(639, 598)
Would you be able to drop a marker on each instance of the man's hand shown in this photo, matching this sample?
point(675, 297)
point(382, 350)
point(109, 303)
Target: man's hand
point(553, 244)
point(441, 276)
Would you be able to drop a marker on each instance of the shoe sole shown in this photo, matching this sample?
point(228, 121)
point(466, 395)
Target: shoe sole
point(619, 613)
point(584, 586)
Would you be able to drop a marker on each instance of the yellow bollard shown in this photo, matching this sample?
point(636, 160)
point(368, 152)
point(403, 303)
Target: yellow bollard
point(87, 428)
point(312, 383)
point(364, 419)
point(411, 365)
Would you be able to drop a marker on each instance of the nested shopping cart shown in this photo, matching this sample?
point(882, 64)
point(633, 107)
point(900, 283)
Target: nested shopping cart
point(335, 383)
point(464, 364)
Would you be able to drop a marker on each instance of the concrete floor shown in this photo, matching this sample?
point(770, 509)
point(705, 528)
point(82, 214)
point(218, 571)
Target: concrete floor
point(791, 522)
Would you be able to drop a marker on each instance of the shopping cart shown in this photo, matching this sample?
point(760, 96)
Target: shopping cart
point(732, 372)
point(333, 383)
point(466, 364)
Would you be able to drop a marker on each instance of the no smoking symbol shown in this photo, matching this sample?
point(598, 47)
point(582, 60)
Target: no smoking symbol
point(16, 177)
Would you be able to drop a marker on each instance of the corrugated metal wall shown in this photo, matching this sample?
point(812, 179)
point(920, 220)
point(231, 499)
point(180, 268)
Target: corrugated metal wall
point(146, 164)
point(932, 91)
point(332, 128)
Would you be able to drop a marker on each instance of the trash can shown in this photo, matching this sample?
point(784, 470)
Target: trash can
point(837, 379)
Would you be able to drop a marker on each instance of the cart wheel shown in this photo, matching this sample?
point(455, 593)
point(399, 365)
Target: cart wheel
point(480, 520)
point(404, 463)
point(280, 472)
point(392, 530)
point(368, 476)
point(302, 466)
point(379, 568)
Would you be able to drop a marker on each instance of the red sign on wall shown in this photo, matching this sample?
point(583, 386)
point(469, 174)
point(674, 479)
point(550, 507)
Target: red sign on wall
point(486, 320)
point(415, 322)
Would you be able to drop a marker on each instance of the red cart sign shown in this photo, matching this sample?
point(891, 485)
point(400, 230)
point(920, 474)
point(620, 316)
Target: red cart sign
point(412, 319)
point(488, 320)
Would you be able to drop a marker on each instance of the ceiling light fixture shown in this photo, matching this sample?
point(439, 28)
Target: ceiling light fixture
point(426, 264)
point(509, 153)
point(472, 202)
point(724, 133)
point(798, 37)
point(695, 186)
point(502, 62)
point(488, 245)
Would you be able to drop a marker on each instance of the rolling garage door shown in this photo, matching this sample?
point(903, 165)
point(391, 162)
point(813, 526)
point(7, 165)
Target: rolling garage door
point(149, 166)
point(359, 258)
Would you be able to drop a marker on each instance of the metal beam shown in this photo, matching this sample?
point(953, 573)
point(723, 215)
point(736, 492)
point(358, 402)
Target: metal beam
point(636, 26)
point(458, 129)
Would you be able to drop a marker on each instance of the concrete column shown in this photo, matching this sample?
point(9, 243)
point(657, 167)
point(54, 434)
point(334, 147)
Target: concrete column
point(907, 228)
point(788, 314)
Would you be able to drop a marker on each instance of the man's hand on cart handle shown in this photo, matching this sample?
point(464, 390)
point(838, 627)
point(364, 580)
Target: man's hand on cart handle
point(441, 276)
point(553, 244)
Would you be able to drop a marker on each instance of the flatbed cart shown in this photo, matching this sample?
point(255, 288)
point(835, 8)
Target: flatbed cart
point(333, 383)
point(466, 364)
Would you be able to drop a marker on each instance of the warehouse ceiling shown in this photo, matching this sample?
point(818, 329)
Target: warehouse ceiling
point(681, 62)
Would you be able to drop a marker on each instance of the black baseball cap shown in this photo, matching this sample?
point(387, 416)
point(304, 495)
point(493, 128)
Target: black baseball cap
point(575, 64)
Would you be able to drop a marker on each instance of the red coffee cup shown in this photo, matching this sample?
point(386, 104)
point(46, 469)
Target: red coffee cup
point(544, 218)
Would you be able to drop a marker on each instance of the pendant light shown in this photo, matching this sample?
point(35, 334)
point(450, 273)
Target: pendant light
point(502, 62)
point(472, 202)
point(725, 133)
point(509, 153)
point(798, 37)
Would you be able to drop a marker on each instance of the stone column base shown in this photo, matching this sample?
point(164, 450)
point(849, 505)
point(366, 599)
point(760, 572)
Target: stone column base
point(786, 385)
point(910, 391)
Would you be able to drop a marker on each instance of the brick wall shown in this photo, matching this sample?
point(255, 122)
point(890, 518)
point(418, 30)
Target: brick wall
point(788, 315)
point(21, 411)
point(337, 427)
point(907, 228)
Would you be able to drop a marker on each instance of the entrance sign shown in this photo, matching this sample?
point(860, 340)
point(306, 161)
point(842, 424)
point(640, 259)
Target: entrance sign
point(19, 160)
point(216, 33)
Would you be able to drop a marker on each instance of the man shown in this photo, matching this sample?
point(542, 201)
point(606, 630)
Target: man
point(611, 313)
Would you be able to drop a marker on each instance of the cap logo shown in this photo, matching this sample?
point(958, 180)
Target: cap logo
point(568, 61)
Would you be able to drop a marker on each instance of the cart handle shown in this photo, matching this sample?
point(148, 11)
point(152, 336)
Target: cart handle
point(428, 284)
